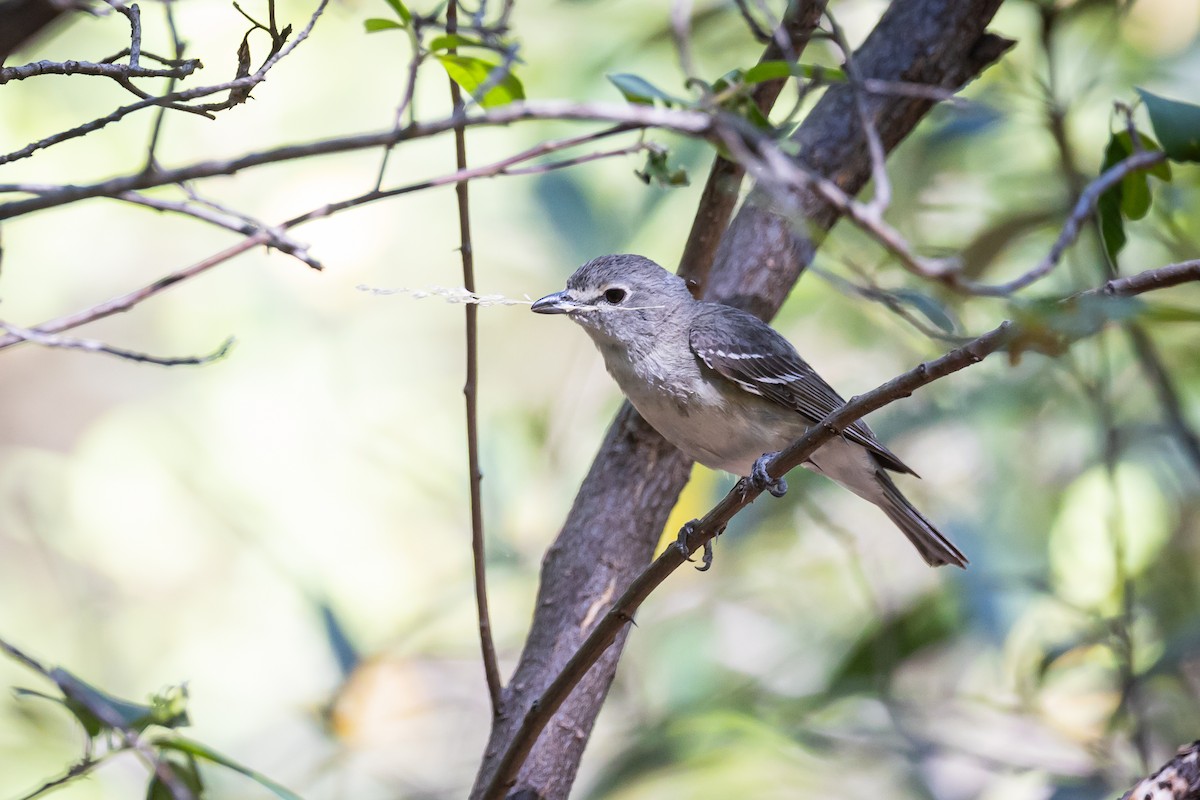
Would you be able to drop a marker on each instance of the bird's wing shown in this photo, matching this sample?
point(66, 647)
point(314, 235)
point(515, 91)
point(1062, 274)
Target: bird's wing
point(745, 350)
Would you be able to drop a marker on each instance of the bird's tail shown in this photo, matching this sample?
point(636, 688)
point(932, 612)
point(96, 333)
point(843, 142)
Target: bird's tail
point(933, 547)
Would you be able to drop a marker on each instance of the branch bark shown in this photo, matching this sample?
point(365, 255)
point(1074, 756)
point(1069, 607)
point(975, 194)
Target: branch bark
point(619, 512)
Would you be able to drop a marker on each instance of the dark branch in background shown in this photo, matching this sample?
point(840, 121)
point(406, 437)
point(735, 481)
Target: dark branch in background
point(615, 621)
point(487, 646)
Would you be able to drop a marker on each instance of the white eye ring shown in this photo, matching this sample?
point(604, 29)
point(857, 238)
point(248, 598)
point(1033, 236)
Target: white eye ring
point(614, 295)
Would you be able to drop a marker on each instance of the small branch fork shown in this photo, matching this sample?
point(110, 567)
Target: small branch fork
point(702, 531)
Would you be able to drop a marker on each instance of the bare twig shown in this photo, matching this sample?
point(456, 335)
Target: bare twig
point(119, 72)
point(692, 123)
point(238, 89)
point(883, 187)
point(94, 346)
point(225, 218)
point(487, 645)
point(129, 300)
point(621, 613)
point(267, 235)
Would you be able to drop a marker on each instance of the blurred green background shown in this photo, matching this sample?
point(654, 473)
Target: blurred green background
point(205, 524)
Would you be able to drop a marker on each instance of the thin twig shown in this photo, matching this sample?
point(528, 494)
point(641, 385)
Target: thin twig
point(129, 300)
point(692, 123)
point(883, 187)
point(238, 89)
point(266, 236)
point(228, 219)
point(94, 346)
point(113, 71)
point(487, 645)
point(621, 613)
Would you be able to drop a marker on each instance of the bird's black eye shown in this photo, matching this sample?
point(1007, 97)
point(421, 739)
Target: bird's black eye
point(614, 295)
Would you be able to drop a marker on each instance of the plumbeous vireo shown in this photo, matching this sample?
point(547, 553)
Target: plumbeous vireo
point(724, 387)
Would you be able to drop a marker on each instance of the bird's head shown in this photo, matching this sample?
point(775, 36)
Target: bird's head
point(619, 298)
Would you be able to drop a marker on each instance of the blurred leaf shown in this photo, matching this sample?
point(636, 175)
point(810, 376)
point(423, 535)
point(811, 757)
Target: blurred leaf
point(658, 171)
point(198, 750)
point(773, 70)
point(881, 648)
point(376, 24)
point(1133, 192)
point(1088, 637)
point(455, 40)
point(401, 11)
point(1161, 312)
point(96, 709)
point(1050, 325)
point(187, 773)
point(472, 73)
point(931, 309)
point(638, 90)
point(1112, 226)
point(1177, 125)
point(339, 642)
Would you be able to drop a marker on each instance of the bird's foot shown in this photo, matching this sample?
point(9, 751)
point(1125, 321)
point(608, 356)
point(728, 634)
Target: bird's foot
point(684, 546)
point(760, 480)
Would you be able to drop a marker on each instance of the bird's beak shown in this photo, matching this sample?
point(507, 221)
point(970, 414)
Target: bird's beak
point(557, 303)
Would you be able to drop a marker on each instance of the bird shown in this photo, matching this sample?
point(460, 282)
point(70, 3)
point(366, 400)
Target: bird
point(726, 388)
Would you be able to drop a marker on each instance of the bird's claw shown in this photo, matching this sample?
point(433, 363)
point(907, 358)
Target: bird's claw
point(681, 542)
point(760, 479)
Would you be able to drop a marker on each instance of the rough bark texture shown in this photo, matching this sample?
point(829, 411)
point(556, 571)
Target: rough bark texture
point(611, 531)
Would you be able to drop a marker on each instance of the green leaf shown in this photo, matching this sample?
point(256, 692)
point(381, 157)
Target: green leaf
point(199, 750)
point(638, 90)
point(1129, 199)
point(99, 711)
point(1177, 125)
point(932, 310)
point(1112, 227)
point(376, 24)
point(472, 73)
point(881, 648)
point(774, 70)
point(453, 40)
point(401, 11)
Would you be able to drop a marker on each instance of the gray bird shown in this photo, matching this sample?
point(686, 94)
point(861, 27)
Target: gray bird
point(726, 388)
